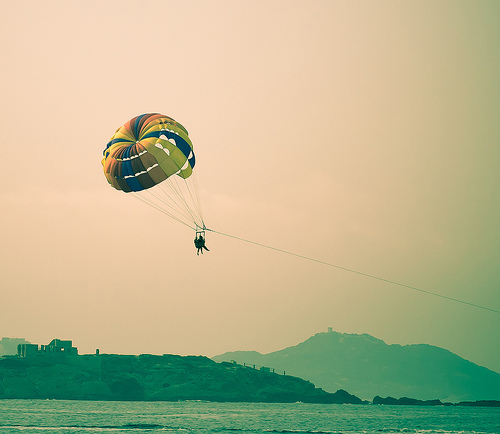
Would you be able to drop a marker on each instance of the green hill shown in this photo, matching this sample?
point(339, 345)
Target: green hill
point(148, 377)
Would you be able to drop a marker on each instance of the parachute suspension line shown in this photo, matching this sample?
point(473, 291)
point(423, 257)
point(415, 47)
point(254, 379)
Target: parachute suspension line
point(358, 272)
point(172, 199)
point(190, 207)
point(161, 209)
point(178, 202)
point(196, 199)
point(172, 204)
point(153, 205)
point(192, 188)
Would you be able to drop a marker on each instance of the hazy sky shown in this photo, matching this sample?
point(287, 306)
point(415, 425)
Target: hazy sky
point(365, 134)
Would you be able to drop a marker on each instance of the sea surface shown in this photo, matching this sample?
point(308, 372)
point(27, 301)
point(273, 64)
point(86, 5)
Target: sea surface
point(40, 416)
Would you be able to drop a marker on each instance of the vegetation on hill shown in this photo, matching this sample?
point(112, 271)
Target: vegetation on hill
point(148, 377)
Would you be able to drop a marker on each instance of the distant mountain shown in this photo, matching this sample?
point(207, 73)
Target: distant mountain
point(366, 367)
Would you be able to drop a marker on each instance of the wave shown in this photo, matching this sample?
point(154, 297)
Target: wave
point(150, 426)
point(158, 427)
point(299, 431)
point(134, 426)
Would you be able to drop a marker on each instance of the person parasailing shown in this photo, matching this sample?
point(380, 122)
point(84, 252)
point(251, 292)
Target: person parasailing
point(199, 243)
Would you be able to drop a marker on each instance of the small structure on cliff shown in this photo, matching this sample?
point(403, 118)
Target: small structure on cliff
point(56, 346)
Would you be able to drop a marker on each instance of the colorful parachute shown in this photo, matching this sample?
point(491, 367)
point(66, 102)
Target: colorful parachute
point(148, 150)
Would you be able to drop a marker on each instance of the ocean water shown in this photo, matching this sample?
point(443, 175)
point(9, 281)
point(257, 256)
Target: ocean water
point(38, 416)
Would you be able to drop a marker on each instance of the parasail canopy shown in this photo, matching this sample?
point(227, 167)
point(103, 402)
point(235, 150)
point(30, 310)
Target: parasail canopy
point(151, 156)
point(147, 150)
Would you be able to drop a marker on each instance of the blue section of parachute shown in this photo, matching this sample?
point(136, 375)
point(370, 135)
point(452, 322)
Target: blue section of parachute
point(179, 142)
point(112, 142)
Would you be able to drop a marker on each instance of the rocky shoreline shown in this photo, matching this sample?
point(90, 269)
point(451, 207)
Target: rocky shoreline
point(432, 402)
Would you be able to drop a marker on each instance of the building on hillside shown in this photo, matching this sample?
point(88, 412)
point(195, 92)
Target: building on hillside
point(60, 346)
point(27, 350)
point(56, 346)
